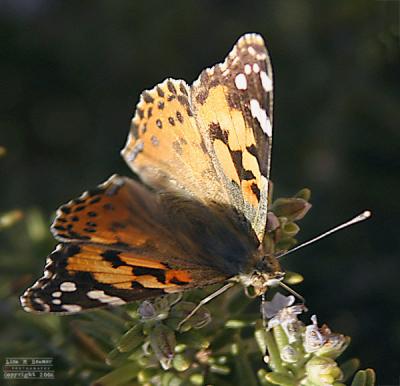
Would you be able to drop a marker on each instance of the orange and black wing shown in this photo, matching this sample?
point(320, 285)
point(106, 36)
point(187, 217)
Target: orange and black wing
point(118, 245)
point(211, 140)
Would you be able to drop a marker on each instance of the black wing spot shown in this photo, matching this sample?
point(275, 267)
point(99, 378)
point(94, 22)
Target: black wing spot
point(95, 200)
point(147, 97)
point(160, 92)
point(78, 236)
point(156, 272)
point(171, 87)
point(89, 230)
point(255, 189)
point(176, 281)
point(72, 250)
point(179, 116)
point(113, 257)
point(137, 285)
point(65, 209)
point(217, 133)
point(248, 175)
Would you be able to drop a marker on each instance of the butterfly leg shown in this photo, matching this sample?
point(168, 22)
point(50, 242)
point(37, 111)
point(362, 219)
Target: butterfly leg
point(205, 301)
point(293, 292)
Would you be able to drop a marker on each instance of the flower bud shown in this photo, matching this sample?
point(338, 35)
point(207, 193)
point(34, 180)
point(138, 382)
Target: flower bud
point(291, 208)
point(289, 354)
point(180, 362)
point(162, 341)
point(323, 371)
point(272, 222)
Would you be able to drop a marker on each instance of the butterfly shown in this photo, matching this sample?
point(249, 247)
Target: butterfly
point(196, 215)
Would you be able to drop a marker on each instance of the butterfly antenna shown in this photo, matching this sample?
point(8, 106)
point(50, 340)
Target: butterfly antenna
point(361, 217)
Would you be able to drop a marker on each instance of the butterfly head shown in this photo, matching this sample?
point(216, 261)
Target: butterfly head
point(267, 273)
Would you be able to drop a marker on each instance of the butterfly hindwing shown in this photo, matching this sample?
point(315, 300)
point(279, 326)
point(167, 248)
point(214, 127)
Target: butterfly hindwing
point(83, 276)
point(142, 245)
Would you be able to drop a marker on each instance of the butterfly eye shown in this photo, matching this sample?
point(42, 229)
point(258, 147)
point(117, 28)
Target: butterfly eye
point(279, 275)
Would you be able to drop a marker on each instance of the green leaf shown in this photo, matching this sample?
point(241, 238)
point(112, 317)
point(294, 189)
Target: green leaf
point(117, 377)
point(280, 379)
point(132, 339)
point(349, 368)
point(304, 193)
point(364, 378)
point(275, 361)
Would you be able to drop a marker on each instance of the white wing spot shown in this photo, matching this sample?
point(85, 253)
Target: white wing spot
point(71, 307)
point(223, 66)
point(251, 50)
point(247, 69)
point(104, 298)
point(241, 82)
point(210, 71)
point(261, 115)
point(135, 151)
point(256, 68)
point(56, 301)
point(56, 294)
point(266, 81)
point(68, 286)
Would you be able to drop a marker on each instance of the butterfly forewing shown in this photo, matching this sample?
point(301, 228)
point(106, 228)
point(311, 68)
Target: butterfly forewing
point(233, 104)
point(213, 139)
point(165, 146)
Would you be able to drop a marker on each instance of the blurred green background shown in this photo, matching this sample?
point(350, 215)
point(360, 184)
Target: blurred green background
point(71, 74)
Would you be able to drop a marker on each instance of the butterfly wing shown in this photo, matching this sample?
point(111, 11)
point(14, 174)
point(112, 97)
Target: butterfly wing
point(233, 104)
point(122, 242)
point(213, 139)
point(165, 146)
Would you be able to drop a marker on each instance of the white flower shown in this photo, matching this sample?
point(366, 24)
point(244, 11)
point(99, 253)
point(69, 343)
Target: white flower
point(280, 311)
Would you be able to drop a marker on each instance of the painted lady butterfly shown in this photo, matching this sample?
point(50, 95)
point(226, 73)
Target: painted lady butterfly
point(199, 215)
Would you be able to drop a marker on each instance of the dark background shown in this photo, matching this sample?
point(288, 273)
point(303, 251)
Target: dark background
point(71, 74)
